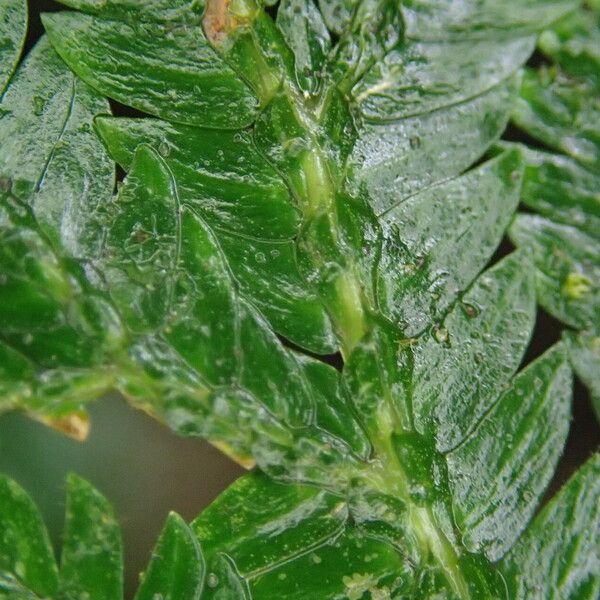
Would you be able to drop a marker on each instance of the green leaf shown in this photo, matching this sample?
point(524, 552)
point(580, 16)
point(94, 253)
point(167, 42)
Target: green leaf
point(125, 60)
point(435, 19)
point(375, 29)
point(420, 77)
point(306, 34)
point(559, 107)
point(260, 523)
point(13, 27)
point(584, 350)
point(568, 268)
point(263, 538)
point(44, 294)
point(176, 571)
point(344, 212)
point(26, 554)
point(220, 175)
point(574, 44)
point(558, 188)
point(55, 176)
point(333, 409)
point(351, 566)
point(561, 112)
point(142, 241)
point(557, 558)
point(497, 479)
point(151, 10)
point(460, 368)
point(373, 381)
point(397, 159)
point(15, 374)
point(50, 157)
point(268, 274)
point(436, 242)
point(337, 14)
point(92, 555)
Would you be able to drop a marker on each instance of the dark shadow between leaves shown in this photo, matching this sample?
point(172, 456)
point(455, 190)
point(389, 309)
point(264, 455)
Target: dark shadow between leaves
point(333, 360)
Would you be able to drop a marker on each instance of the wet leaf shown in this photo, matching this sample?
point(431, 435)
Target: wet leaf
point(176, 570)
point(462, 366)
point(328, 176)
point(437, 241)
point(92, 554)
point(498, 480)
point(25, 549)
point(306, 34)
point(557, 557)
point(562, 112)
point(568, 268)
point(163, 79)
point(13, 26)
point(397, 159)
point(559, 107)
point(49, 152)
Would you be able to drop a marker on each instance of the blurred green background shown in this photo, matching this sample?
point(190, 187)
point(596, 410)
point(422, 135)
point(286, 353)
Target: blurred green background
point(142, 468)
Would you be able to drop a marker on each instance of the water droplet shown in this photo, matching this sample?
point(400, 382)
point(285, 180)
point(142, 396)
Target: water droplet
point(260, 258)
point(441, 335)
point(212, 580)
point(164, 149)
point(470, 309)
point(38, 105)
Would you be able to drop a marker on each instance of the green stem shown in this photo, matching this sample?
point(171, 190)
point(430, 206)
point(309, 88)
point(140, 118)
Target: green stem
point(309, 175)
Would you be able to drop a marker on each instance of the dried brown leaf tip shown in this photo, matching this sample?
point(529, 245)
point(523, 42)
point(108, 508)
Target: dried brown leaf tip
point(223, 17)
point(76, 425)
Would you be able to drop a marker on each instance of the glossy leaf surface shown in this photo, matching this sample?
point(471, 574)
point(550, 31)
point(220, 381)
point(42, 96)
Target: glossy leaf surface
point(568, 268)
point(264, 538)
point(220, 175)
point(395, 160)
point(559, 107)
point(434, 19)
point(562, 112)
point(13, 26)
point(25, 549)
point(498, 481)
point(200, 91)
point(309, 176)
point(461, 367)
point(558, 556)
point(176, 571)
point(429, 254)
point(92, 554)
point(49, 153)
